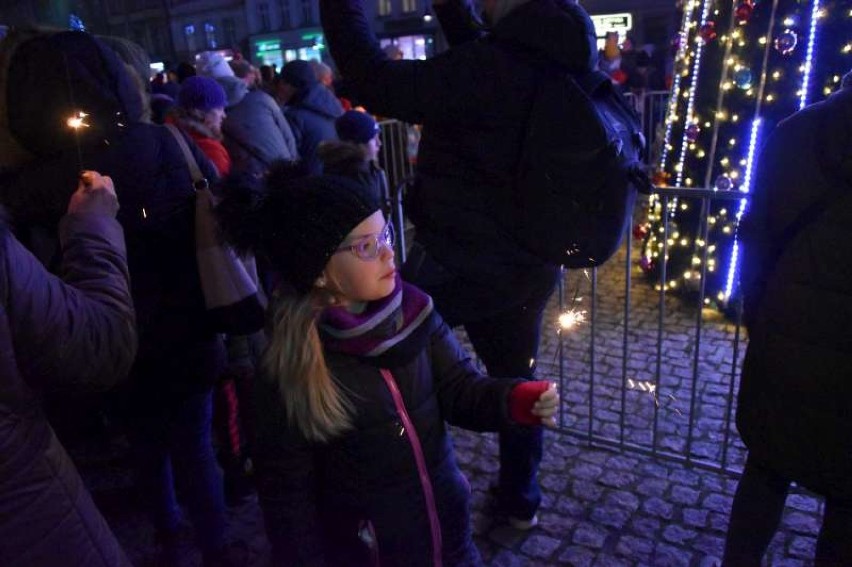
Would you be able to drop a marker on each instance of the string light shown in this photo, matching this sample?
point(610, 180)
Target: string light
point(745, 188)
point(808, 66)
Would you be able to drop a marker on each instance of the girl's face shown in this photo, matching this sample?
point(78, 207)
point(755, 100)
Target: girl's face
point(363, 267)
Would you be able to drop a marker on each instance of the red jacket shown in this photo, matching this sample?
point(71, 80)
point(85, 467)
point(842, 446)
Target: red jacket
point(212, 148)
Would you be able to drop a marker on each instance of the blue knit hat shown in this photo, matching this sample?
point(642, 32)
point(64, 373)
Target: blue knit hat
point(355, 126)
point(201, 93)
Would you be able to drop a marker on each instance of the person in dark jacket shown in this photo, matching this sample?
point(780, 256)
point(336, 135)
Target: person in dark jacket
point(357, 153)
point(256, 134)
point(59, 334)
point(795, 401)
point(168, 397)
point(310, 108)
point(359, 378)
point(473, 102)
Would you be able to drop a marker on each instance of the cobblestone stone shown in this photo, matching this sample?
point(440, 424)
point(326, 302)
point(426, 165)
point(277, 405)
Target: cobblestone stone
point(694, 517)
point(659, 508)
point(577, 556)
point(677, 534)
point(617, 478)
point(670, 556)
point(540, 546)
point(652, 487)
point(590, 535)
point(718, 503)
point(646, 527)
point(684, 495)
point(611, 516)
point(802, 523)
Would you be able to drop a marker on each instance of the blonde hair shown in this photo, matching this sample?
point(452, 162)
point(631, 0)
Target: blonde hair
point(294, 359)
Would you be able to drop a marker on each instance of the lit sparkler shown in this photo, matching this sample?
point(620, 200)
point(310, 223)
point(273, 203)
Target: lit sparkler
point(75, 122)
point(571, 319)
point(651, 389)
point(78, 121)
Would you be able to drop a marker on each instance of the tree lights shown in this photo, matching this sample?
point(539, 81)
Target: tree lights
point(741, 67)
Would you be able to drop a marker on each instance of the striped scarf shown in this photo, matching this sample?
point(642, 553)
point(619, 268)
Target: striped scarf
point(386, 325)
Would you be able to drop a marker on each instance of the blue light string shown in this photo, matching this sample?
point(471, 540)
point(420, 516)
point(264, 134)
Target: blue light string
point(806, 82)
point(745, 188)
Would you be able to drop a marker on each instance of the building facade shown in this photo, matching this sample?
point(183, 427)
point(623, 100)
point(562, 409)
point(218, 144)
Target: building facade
point(276, 31)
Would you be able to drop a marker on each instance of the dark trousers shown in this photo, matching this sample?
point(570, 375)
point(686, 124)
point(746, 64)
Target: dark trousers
point(756, 513)
point(178, 434)
point(507, 343)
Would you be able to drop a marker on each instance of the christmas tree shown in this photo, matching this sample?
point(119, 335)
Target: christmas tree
point(741, 67)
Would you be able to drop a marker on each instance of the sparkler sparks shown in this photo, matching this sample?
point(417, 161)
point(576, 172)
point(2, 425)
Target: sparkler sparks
point(77, 121)
point(571, 318)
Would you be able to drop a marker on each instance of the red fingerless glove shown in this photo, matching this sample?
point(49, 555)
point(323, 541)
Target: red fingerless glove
point(521, 401)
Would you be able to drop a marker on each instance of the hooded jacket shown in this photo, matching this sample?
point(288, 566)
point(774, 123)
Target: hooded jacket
point(151, 177)
point(312, 113)
point(255, 132)
point(57, 334)
point(473, 102)
point(795, 401)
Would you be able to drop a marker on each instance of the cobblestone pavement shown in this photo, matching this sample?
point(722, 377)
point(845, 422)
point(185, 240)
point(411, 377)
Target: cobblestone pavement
point(601, 506)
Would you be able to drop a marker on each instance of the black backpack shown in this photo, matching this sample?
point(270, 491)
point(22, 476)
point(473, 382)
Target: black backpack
point(579, 170)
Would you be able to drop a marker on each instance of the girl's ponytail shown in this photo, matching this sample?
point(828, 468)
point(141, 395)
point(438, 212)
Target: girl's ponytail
point(294, 360)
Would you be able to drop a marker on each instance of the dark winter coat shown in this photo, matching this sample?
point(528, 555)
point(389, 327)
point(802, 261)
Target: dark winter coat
point(473, 102)
point(315, 496)
point(178, 349)
point(56, 334)
point(795, 400)
point(312, 114)
point(256, 134)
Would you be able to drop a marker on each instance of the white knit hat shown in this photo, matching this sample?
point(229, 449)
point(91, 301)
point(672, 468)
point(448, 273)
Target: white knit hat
point(212, 64)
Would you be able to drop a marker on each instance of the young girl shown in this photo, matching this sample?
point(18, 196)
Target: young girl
point(355, 465)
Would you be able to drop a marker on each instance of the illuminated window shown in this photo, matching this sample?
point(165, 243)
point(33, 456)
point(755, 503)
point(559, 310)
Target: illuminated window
point(385, 7)
point(210, 35)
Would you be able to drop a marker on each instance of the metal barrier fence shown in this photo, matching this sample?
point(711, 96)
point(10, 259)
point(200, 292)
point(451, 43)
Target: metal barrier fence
point(649, 372)
point(651, 107)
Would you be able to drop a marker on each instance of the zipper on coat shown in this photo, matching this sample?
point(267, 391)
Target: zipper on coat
point(425, 481)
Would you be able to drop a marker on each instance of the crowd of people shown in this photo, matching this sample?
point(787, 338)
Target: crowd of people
point(334, 406)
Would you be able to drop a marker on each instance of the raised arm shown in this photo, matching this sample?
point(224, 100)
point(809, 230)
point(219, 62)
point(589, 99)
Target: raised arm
point(406, 90)
point(80, 330)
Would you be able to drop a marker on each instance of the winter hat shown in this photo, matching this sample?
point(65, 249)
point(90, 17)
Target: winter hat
point(355, 126)
point(201, 93)
point(299, 74)
point(304, 221)
point(213, 64)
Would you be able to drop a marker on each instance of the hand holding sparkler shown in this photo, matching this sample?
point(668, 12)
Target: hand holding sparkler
point(95, 195)
point(534, 403)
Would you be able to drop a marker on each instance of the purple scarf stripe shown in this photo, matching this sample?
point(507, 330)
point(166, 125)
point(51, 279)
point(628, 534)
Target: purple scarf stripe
point(381, 326)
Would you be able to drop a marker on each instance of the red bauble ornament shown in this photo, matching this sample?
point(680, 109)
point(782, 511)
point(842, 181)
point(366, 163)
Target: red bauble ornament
point(708, 32)
point(660, 178)
point(640, 231)
point(744, 11)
